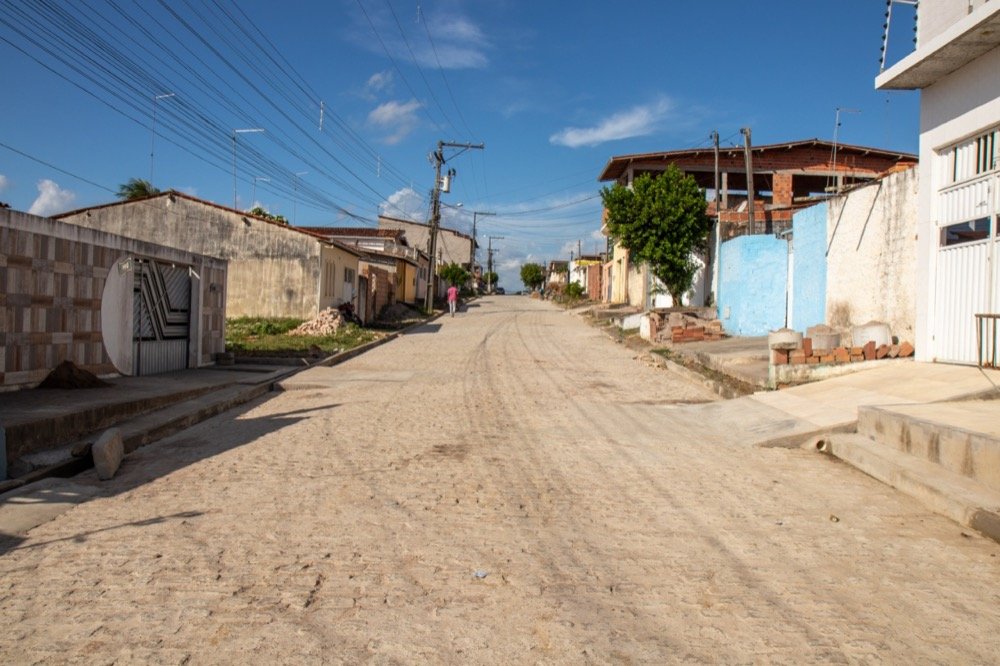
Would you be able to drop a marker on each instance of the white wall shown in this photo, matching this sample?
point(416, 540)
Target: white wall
point(871, 255)
point(960, 105)
point(935, 16)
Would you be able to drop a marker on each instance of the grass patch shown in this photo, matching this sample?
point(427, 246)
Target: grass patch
point(255, 336)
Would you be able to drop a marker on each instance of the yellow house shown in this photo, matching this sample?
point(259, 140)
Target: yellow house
point(340, 275)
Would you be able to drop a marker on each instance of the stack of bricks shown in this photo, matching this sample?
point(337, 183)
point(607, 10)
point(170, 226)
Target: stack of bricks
point(806, 355)
point(697, 331)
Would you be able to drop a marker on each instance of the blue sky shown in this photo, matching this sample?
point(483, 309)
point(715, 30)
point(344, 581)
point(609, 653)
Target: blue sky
point(552, 88)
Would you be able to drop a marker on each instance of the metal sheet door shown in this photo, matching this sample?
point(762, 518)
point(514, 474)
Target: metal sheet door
point(161, 317)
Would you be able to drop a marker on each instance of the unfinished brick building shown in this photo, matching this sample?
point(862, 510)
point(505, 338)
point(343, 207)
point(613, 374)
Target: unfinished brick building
point(784, 175)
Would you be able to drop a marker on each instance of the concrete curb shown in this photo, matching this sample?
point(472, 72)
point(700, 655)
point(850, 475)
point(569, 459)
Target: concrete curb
point(956, 497)
point(144, 436)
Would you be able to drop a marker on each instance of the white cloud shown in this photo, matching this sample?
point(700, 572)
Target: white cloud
point(638, 121)
point(398, 118)
point(51, 199)
point(459, 43)
point(4, 183)
point(377, 83)
point(404, 204)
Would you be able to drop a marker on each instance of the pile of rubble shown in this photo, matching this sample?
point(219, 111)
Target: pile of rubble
point(327, 322)
point(684, 327)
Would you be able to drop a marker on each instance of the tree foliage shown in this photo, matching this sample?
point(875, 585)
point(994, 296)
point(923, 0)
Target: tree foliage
point(453, 274)
point(661, 221)
point(257, 211)
point(136, 188)
point(490, 278)
point(532, 275)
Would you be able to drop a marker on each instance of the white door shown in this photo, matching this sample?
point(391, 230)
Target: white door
point(966, 279)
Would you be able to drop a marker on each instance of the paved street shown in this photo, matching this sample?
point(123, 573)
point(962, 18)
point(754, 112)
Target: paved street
point(506, 486)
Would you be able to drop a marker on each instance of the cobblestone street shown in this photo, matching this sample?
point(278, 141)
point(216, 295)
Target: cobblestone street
point(504, 486)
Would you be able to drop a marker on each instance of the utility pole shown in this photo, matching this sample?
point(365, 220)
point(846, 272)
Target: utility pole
point(152, 138)
point(235, 132)
point(717, 246)
point(837, 181)
point(439, 161)
point(253, 192)
point(472, 255)
point(748, 159)
point(295, 196)
point(489, 263)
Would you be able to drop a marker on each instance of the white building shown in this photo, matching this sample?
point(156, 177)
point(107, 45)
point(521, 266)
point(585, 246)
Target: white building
point(956, 66)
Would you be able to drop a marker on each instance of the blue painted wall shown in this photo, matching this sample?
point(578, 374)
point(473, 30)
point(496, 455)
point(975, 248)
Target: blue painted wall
point(753, 274)
point(809, 267)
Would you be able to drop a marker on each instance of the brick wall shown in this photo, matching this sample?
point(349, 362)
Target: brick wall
point(595, 290)
point(50, 308)
point(380, 290)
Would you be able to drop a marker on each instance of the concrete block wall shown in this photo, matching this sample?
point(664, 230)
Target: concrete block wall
point(871, 255)
point(753, 271)
point(809, 267)
point(50, 308)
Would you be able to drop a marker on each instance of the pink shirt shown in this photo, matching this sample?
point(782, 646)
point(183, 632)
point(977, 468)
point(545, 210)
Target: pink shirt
point(453, 294)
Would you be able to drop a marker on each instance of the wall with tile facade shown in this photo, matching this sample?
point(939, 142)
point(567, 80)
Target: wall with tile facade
point(53, 277)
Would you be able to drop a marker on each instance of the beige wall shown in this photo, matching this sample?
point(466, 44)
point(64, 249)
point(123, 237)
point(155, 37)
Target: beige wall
point(452, 247)
point(936, 16)
point(274, 271)
point(334, 289)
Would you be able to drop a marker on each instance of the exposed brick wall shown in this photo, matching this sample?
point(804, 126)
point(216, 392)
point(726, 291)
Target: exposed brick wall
point(380, 290)
point(594, 283)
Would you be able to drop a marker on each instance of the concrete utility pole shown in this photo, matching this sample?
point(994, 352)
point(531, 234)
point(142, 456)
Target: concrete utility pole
point(748, 158)
point(472, 255)
point(439, 161)
point(489, 263)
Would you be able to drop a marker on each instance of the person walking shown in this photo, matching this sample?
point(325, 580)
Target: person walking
point(452, 299)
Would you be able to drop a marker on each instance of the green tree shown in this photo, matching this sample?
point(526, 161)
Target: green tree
point(136, 188)
point(532, 275)
point(661, 221)
point(491, 278)
point(257, 211)
point(454, 274)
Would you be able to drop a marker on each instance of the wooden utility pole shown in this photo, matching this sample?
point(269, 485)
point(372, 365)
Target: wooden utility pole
point(748, 158)
point(439, 161)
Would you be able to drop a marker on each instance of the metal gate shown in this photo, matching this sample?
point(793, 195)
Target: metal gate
point(966, 280)
point(161, 309)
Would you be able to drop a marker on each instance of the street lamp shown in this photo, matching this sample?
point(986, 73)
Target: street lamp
point(250, 130)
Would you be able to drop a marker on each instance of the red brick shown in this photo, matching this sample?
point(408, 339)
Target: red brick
point(827, 358)
point(857, 351)
point(882, 351)
point(842, 355)
point(869, 350)
point(812, 360)
point(857, 358)
point(807, 346)
point(905, 349)
point(797, 357)
point(779, 357)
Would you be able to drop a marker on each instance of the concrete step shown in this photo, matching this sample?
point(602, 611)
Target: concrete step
point(953, 495)
point(962, 437)
point(136, 432)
